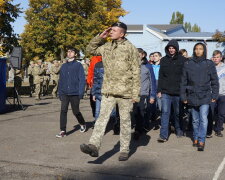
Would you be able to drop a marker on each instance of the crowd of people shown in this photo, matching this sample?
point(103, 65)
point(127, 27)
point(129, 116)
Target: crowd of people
point(181, 93)
point(176, 92)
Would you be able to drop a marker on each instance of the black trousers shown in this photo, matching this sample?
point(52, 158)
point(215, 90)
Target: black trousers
point(211, 118)
point(93, 105)
point(221, 114)
point(139, 112)
point(75, 102)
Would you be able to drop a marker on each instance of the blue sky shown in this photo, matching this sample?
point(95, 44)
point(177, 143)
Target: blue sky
point(208, 14)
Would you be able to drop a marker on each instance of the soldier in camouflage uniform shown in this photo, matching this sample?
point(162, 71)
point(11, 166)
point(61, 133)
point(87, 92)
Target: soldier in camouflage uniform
point(121, 85)
point(31, 77)
point(55, 69)
point(46, 80)
point(38, 72)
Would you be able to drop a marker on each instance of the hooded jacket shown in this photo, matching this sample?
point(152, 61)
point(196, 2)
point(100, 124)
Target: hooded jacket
point(199, 83)
point(170, 71)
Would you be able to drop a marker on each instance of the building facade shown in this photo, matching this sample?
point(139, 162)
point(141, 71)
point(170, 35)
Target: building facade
point(154, 38)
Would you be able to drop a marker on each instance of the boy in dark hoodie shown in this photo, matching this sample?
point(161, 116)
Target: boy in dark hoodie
point(169, 88)
point(199, 87)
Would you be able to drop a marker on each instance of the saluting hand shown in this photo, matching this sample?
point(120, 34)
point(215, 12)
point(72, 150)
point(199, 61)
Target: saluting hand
point(105, 33)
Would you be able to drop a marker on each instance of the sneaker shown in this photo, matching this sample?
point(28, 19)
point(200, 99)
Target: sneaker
point(195, 143)
point(82, 128)
point(161, 140)
point(89, 149)
point(123, 156)
point(209, 136)
point(61, 134)
point(201, 146)
point(219, 134)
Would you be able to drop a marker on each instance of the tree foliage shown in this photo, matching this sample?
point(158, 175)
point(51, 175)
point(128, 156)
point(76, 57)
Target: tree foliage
point(178, 18)
point(8, 15)
point(219, 36)
point(54, 25)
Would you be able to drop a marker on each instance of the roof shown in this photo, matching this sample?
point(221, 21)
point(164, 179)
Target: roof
point(166, 27)
point(194, 34)
point(161, 29)
point(135, 28)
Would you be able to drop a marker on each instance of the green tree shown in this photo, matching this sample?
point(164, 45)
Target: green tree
point(54, 25)
point(195, 28)
point(8, 15)
point(187, 26)
point(178, 18)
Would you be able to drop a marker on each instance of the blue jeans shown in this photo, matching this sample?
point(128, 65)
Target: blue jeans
point(200, 122)
point(167, 101)
point(97, 108)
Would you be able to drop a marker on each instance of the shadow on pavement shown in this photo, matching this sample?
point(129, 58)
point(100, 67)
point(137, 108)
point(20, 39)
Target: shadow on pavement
point(143, 141)
point(128, 171)
point(77, 127)
point(9, 108)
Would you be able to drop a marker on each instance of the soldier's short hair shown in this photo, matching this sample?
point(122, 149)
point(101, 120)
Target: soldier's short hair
point(31, 62)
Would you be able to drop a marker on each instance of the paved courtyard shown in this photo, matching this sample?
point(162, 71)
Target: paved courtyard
point(29, 150)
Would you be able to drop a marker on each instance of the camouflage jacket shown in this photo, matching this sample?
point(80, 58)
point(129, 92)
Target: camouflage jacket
point(55, 72)
point(38, 74)
point(30, 70)
point(121, 67)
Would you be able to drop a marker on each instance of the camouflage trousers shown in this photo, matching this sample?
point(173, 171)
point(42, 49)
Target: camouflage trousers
point(107, 105)
point(55, 88)
point(38, 89)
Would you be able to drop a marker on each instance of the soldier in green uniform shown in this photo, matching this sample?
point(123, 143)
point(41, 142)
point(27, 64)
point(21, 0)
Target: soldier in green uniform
point(31, 77)
point(38, 72)
point(46, 80)
point(121, 85)
point(55, 69)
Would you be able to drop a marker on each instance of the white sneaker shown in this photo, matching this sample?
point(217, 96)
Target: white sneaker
point(82, 128)
point(61, 134)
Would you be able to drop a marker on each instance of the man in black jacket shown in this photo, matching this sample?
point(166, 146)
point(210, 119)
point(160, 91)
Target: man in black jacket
point(199, 87)
point(169, 88)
